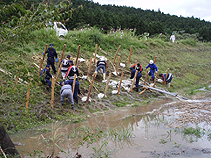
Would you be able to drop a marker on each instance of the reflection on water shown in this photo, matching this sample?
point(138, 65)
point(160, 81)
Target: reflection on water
point(126, 132)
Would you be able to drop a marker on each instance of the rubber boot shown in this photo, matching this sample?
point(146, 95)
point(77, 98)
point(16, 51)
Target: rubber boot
point(62, 102)
point(48, 89)
point(73, 108)
point(104, 76)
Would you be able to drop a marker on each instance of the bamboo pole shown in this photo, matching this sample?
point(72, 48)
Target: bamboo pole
point(134, 79)
point(136, 64)
point(57, 76)
point(107, 84)
point(90, 88)
point(95, 53)
point(106, 66)
point(117, 68)
point(52, 92)
point(27, 97)
point(166, 76)
point(62, 53)
point(130, 54)
point(116, 54)
point(120, 82)
point(146, 77)
point(42, 60)
point(16, 77)
point(156, 78)
point(143, 91)
point(74, 83)
point(76, 62)
point(155, 59)
point(90, 64)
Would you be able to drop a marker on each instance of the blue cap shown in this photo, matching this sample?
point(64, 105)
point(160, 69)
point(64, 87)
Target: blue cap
point(131, 68)
point(71, 61)
point(51, 44)
point(61, 83)
point(48, 66)
point(68, 56)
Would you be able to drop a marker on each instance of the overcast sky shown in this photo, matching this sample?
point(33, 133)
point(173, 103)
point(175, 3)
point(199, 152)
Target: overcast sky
point(186, 8)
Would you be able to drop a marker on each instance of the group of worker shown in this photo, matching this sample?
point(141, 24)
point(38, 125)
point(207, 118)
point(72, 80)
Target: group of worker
point(68, 71)
point(153, 69)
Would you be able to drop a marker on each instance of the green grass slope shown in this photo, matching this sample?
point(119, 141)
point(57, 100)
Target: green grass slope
point(187, 59)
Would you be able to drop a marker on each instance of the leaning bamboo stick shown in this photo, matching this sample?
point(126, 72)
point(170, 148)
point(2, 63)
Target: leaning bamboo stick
point(52, 92)
point(106, 66)
point(130, 54)
point(42, 60)
point(27, 97)
point(143, 91)
point(117, 68)
point(134, 79)
point(95, 53)
point(74, 83)
point(155, 59)
point(90, 88)
point(107, 85)
point(120, 82)
point(166, 76)
point(76, 62)
point(58, 73)
point(116, 54)
point(136, 64)
point(90, 64)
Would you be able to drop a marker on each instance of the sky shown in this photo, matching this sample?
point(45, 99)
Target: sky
point(186, 8)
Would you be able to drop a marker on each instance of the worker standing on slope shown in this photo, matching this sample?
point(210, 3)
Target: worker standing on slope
point(139, 75)
point(65, 66)
point(51, 55)
point(153, 67)
point(172, 38)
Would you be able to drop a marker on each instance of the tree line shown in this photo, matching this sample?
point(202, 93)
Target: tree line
point(112, 16)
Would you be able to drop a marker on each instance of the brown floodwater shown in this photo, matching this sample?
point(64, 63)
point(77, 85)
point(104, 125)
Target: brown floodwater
point(146, 136)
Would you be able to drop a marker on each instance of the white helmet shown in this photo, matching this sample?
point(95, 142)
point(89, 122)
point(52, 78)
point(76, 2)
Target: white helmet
point(151, 61)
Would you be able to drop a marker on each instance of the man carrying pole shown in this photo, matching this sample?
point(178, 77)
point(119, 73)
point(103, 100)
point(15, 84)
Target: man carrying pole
point(138, 76)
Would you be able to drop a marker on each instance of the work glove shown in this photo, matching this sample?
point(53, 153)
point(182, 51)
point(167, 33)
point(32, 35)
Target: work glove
point(156, 72)
point(56, 60)
point(43, 53)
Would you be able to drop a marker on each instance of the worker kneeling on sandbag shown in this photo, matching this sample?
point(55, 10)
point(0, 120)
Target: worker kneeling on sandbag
point(66, 91)
point(45, 76)
point(101, 64)
point(167, 79)
point(139, 75)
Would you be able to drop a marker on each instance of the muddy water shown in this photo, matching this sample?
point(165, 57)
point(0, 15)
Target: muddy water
point(151, 137)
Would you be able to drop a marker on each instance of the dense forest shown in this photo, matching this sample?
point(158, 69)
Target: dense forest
point(109, 17)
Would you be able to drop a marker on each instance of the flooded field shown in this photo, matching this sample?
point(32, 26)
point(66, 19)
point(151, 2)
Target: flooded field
point(162, 128)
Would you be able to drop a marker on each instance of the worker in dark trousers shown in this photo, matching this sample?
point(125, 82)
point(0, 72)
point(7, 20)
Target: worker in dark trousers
point(139, 75)
point(138, 67)
point(51, 54)
point(46, 76)
point(101, 64)
point(153, 67)
point(66, 91)
point(70, 75)
point(167, 79)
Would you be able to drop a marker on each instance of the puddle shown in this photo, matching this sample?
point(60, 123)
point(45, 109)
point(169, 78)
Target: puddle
point(146, 131)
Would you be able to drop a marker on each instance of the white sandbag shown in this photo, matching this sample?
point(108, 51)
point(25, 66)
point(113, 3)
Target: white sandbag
point(81, 59)
point(84, 77)
point(85, 98)
point(100, 95)
point(114, 91)
point(122, 65)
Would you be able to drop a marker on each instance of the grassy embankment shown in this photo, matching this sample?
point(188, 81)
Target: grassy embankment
point(188, 60)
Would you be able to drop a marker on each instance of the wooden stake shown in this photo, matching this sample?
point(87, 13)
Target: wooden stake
point(52, 92)
point(90, 88)
point(120, 82)
point(16, 77)
point(116, 54)
point(117, 68)
point(143, 91)
point(134, 79)
point(146, 77)
point(106, 66)
point(136, 64)
point(42, 60)
point(155, 59)
point(62, 53)
point(74, 83)
point(166, 76)
point(58, 73)
point(107, 85)
point(76, 62)
point(27, 97)
point(130, 54)
point(156, 78)
point(95, 53)
point(90, 64)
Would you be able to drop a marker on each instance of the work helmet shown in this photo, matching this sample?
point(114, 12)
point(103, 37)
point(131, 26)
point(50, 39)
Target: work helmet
point(151, 61)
